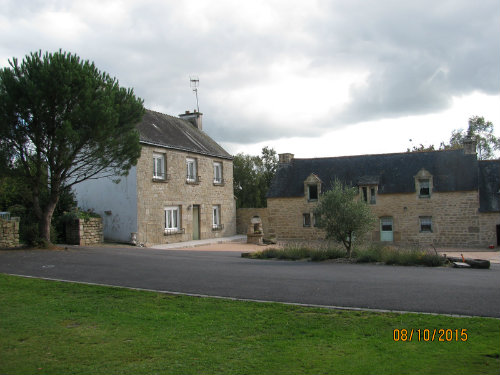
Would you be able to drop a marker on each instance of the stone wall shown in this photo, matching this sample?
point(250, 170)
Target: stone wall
point(9, 233)
point(456, 220)
point(84, 232)
point(153, 196)
point(244, 215)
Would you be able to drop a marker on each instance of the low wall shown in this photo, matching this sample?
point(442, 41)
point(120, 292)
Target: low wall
point(9, 233)
point(84, 232)
point(244, 215)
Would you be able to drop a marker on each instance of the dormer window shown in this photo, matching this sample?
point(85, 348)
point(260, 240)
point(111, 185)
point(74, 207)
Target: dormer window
point(312, 192)
point(369, 194)
point(312, 188)
point(373, 198)
point(424, 188)
point(423, 183)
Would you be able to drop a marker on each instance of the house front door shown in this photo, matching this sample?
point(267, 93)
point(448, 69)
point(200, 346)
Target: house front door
point(196, 222)
point(386, 233)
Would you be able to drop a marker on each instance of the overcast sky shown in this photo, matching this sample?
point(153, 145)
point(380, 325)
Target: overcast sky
point(310, 77)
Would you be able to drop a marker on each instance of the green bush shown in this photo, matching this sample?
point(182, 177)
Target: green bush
point(79, 214)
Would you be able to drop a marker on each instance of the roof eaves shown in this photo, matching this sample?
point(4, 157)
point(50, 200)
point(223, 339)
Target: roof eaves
point(187, 150)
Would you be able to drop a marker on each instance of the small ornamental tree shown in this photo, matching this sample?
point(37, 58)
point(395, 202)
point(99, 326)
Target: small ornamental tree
point(62, 121)
point(343, 217)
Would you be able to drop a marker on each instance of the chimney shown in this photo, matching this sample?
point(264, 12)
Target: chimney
point(193, 117)
point(285, 158)
point(469, 146)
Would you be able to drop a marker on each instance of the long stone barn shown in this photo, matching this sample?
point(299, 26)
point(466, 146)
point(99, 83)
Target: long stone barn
point(444, 198)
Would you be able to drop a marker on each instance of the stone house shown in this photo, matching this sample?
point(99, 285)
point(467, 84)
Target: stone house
point(445, 198)
point(181, 188)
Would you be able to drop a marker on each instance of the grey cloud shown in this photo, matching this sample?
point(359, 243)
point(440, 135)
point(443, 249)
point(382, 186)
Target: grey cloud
point(418, 55)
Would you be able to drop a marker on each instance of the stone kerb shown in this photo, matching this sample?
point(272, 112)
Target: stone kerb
point(9, 232)
point(84, 232)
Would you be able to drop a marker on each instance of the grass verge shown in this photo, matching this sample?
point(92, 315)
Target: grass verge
point(50, 327)
point(372, 253)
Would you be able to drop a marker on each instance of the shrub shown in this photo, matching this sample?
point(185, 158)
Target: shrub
point(328, 253)
point(373, 253)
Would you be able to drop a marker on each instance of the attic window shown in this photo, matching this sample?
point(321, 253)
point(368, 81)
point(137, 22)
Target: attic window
point(368, 194)
point(312, 192)
point(424, 188)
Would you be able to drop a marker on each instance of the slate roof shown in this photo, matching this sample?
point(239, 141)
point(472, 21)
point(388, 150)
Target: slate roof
point(452, 170)
point(489, 185)
point(172, 132)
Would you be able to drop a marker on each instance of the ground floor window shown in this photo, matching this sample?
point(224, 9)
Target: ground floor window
point(172, 219)
point(216, 222)
point(306, 220)
point(425, 224)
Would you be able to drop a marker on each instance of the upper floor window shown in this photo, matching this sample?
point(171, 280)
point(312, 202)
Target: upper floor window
point(312, 192)
point(218, 173)
point(159, 166)
point(373, 198)
point(191, 170)
point(424, 188)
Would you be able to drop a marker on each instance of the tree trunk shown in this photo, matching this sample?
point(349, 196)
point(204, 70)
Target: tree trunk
point(46, 219)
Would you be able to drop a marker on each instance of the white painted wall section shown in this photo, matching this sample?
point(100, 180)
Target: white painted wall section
point(116, 203)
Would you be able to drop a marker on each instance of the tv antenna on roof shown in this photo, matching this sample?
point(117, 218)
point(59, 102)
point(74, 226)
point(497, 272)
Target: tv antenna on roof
point(194, 83)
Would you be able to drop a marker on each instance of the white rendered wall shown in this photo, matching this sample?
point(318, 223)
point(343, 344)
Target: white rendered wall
point(116, 203)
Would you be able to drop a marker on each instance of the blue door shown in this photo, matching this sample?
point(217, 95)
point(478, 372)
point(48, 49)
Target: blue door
point(386, 232)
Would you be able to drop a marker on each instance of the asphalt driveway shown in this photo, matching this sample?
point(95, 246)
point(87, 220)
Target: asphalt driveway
point(420, 289)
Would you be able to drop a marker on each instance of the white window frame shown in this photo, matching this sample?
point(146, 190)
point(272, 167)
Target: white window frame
point(217, 172)
point(159, 173)
point(172, 218)
point(191, 177)
point(216, 217)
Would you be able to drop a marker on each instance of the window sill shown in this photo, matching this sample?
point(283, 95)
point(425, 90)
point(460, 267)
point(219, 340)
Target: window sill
point(216, 228)
point(170, 232)
point(219, 183)
point(160, 180)
point(424, 196)
point(192, 181)
point(312, 200)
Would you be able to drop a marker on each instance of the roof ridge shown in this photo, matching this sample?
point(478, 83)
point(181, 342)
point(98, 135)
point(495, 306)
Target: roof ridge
point(385, 154)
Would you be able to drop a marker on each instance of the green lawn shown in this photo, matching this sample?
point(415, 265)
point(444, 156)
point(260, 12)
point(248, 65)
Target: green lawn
point(49, 327)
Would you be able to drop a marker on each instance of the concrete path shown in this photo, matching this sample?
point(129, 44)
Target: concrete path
point(198, 243)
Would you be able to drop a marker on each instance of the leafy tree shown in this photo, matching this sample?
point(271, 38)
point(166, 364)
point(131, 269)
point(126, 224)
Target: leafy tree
point(342, 215)
point(63, 121)
point(479, 130)
point(252, 177)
